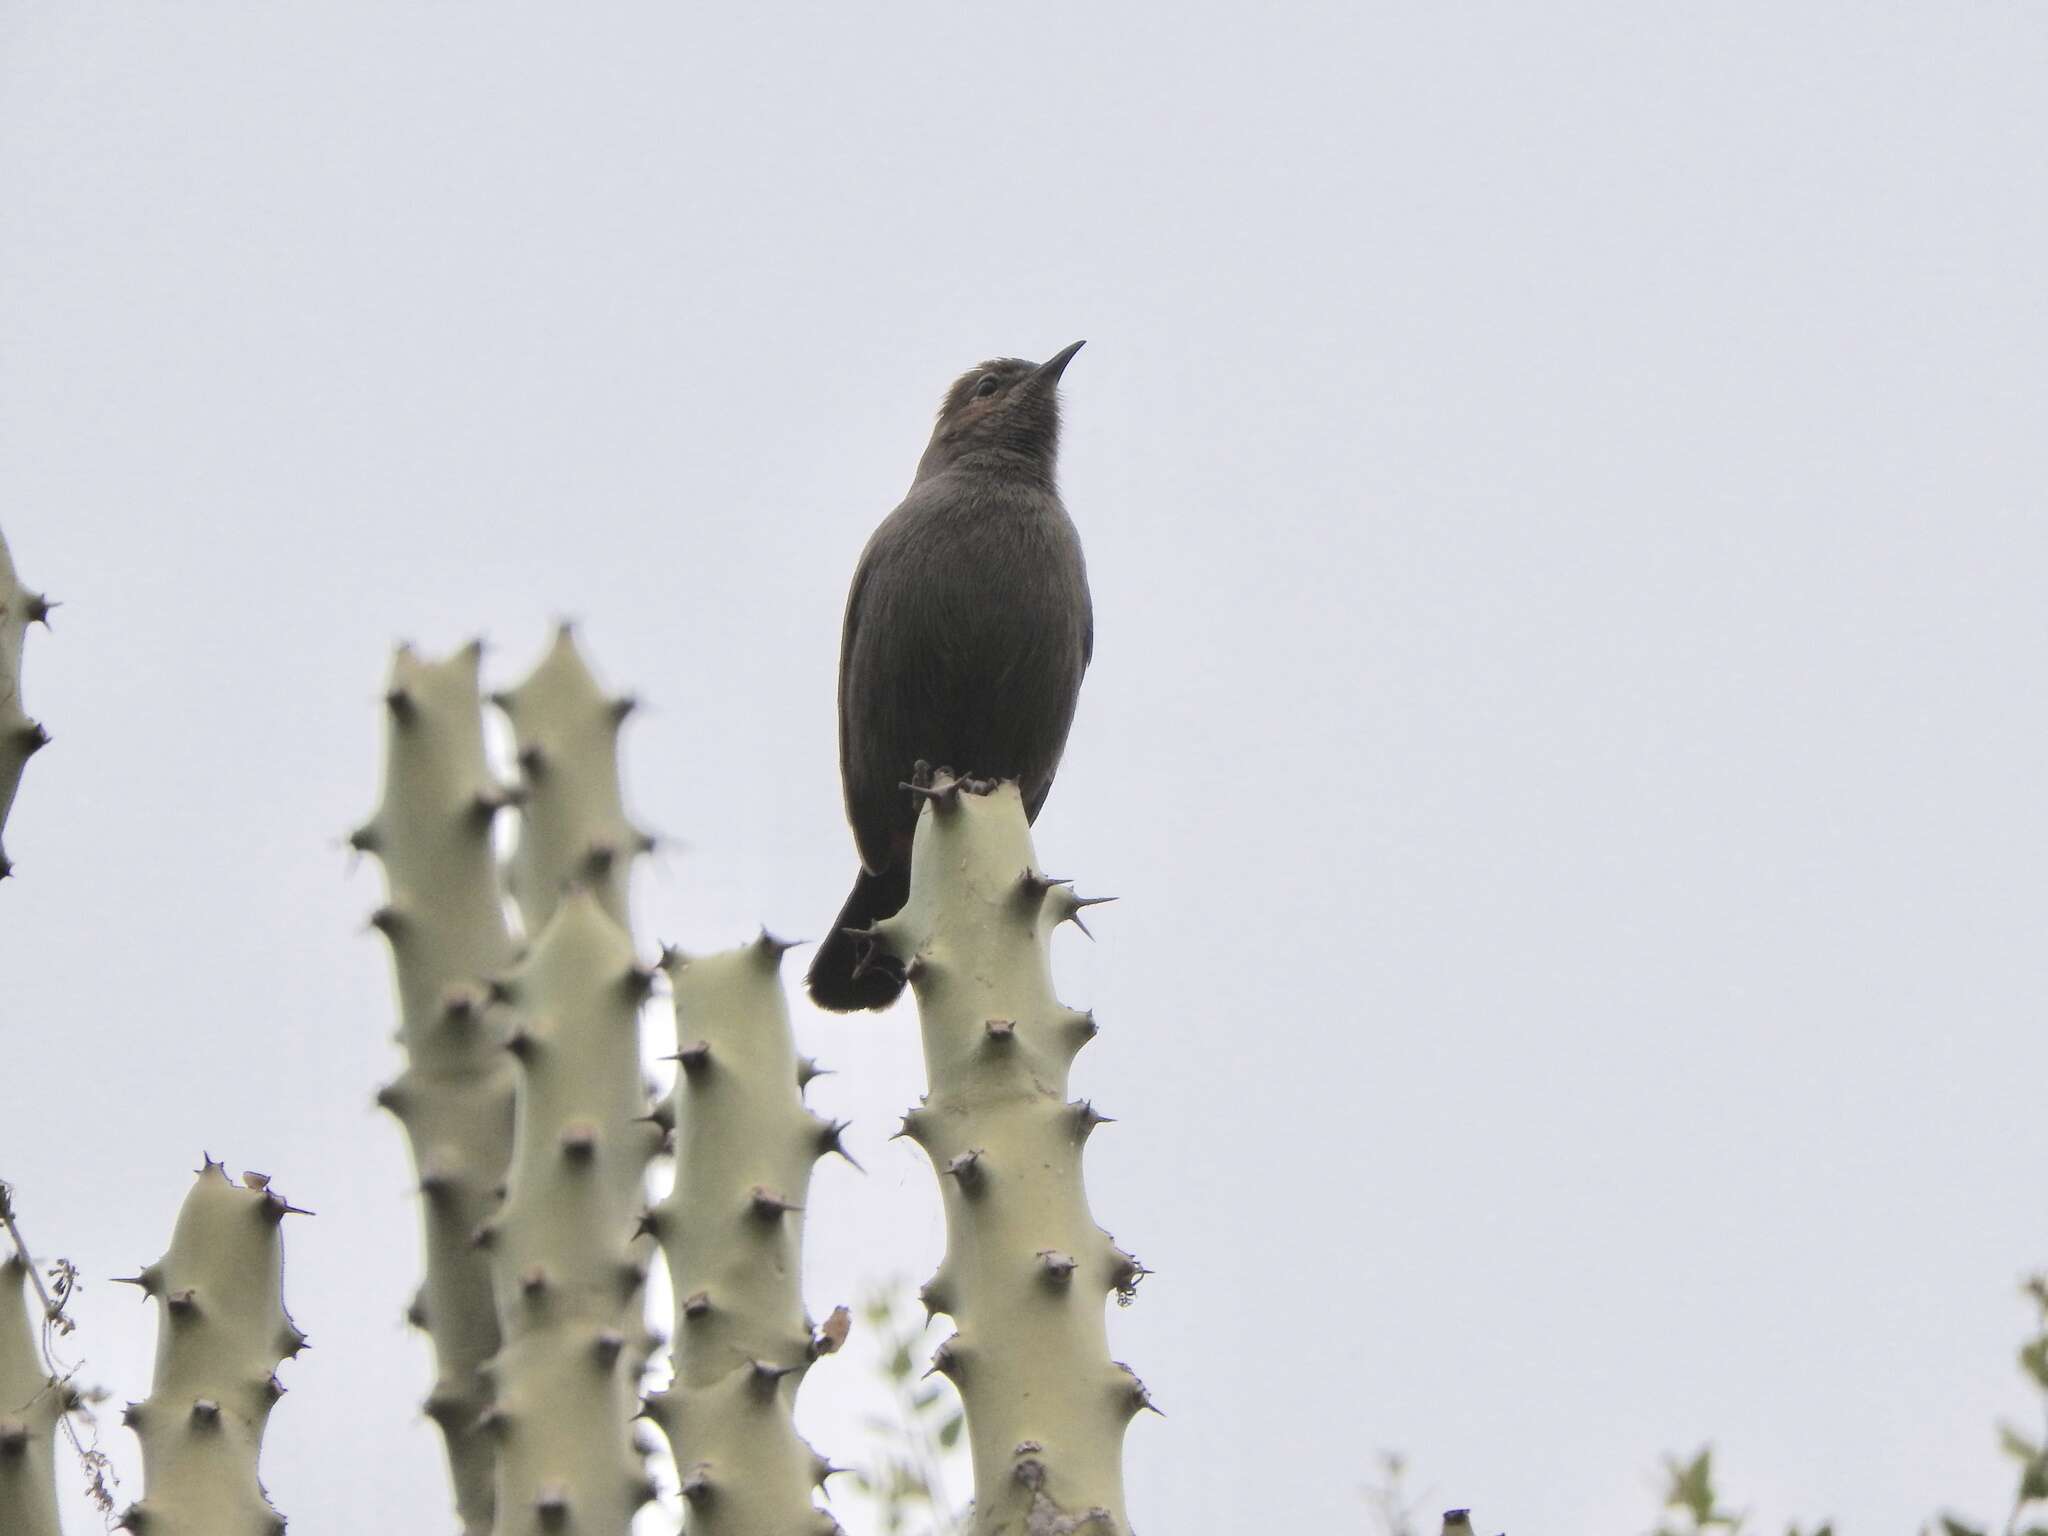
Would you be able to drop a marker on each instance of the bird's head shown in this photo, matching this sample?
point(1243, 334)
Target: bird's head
point(1005, 414)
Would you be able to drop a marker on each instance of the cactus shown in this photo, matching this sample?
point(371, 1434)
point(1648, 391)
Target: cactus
point(20, 737)
point(446, 923)
point(32, 1402)
point(222, 1331)
point(1026, 1271)
point(732, 1231)
point(567, 1262)
point(574, 830)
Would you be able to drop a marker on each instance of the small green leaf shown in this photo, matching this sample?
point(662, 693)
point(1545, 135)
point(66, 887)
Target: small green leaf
point(2034, 1360)
point(1950, 1526)
point(949, 1432)
point(2034, 1481)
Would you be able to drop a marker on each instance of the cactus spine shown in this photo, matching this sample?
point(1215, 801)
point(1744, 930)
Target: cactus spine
point(1027, 1271)
point(732, 1230)
point(20, 737)
point(31, 1403)
point(446, 924)
point(222, 1331)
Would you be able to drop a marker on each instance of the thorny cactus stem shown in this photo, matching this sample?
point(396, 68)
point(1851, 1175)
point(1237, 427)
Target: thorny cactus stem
point(732, 1229)
point(1027, 1271)
point(222, 1331)
point(20, 737)
point(568, 1263)
point(31, 1403)
point(573, 830)
point(446, 923)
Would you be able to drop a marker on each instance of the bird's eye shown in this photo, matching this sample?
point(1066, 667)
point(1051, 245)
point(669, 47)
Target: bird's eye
point(988, 386)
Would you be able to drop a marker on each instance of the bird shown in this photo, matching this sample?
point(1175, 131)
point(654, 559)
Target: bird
point(968, 628)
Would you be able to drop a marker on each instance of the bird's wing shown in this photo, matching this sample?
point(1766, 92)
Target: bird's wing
point(848, 631)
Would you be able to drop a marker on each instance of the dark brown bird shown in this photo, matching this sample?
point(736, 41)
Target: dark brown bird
point(967, 631)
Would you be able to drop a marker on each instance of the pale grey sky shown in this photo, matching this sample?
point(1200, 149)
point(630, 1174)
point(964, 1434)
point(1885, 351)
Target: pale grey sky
point(1563, 487)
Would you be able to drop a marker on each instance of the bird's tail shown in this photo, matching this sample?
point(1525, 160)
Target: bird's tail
point(831, 979)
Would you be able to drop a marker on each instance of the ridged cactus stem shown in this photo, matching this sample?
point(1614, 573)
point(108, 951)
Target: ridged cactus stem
point(32, 1402)
point(573, 830)
point(1027, 1272)
point(20, 737)
point(222, 1331)
point(445, 920)
point(732, 1230)
point(568, 1260)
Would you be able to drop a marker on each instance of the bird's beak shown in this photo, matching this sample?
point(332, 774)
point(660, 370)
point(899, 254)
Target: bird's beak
point(1047, 373)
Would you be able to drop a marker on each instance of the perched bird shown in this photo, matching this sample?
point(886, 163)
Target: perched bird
point(967, 631)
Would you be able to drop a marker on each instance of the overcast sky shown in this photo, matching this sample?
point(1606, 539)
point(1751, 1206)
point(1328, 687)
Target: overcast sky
point(1563, 489)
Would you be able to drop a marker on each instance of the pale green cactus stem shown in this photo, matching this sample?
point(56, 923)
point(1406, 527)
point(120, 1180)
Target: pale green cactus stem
point(222, 1331)
point(32, 1401)
point(568, 1261)
point(1027, 1272)
point(445, 919)
point(20, 737)
point(732, 1230)
point(573, 830)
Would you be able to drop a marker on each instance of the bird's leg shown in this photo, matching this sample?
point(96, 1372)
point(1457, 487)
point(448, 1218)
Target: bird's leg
point(872, 956)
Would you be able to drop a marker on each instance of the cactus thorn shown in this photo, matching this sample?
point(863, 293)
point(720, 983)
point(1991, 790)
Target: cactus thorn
point(649, 1224)
point(133, 1415)
point(831, 1135)
point(146, 1280)
point(608, 1346)
point(639, 981)
point(913, 1127)
point(273, 1389)
point(764, 1375)
point(182, 1303)
point(1001, 1031)
point(275, 1208)
point(522, 1045)
point(1140, 1399)
point(579, 1141)
point(462, 1002)
point(662, 1117)
point(533, 762)
point(808, 1070)
point(697, 1486)
point(697, 1305)
point(39, 608)
point(1058, 1267)
point(366, 838)
point(205, 1411)
point(968, 1170)
point(387, 920)
point(693, 1059)
point(403, 707)
point(551, 1507)
point(765, 1205)
point(932, 1297)
point(772, 949)
point(621, 708)
point(1086, 1117)
point(822, 1468)
point(945, 1359)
